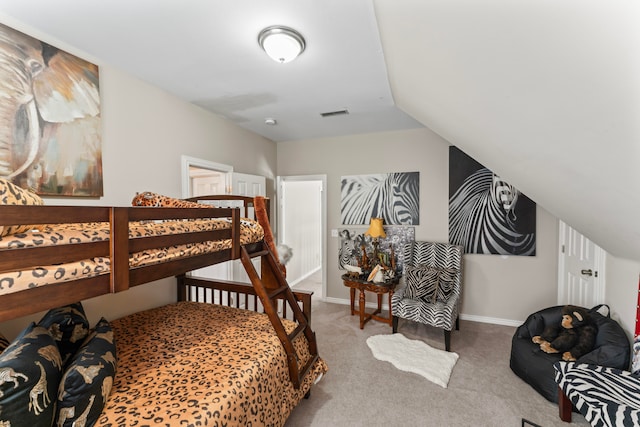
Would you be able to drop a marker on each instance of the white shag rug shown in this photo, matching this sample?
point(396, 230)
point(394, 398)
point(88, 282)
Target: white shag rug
point(414, 356)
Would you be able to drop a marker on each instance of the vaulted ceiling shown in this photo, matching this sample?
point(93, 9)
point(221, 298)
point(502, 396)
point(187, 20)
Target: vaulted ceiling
point(545, 93)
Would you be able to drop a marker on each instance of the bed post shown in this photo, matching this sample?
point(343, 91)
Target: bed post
point(119, 248)
point(235, 233)
point(564, 406)
point(182, 288)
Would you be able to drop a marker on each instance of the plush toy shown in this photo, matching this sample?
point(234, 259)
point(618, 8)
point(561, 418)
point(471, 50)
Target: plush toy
point(574, 337)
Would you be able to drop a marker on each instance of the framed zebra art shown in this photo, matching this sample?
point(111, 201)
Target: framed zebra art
point(352, 240)
point(487, 215)
point(394, 197)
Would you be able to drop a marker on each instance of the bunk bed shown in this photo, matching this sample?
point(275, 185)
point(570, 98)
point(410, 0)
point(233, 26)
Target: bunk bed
point(112, 249)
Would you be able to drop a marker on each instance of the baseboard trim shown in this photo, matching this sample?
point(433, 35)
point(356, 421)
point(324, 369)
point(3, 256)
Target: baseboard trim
point(469, 317)
point(492, 320)
point(302, 278)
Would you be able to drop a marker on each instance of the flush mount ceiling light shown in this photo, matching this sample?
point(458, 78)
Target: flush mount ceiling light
point(282, 44)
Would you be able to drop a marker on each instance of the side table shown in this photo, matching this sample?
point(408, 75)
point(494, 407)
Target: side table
point(379, 289)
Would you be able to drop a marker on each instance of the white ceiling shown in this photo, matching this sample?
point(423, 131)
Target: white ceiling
point(546, 93)
point(206, 52)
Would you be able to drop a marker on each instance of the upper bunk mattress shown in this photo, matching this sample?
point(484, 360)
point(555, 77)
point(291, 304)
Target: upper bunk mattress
point(65, 234)
point(194, 364)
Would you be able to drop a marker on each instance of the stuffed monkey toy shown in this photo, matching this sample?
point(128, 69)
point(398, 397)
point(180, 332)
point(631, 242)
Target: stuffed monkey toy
point(574, 337)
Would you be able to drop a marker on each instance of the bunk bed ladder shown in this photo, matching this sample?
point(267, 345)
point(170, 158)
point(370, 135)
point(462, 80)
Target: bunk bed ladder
point(268, 286)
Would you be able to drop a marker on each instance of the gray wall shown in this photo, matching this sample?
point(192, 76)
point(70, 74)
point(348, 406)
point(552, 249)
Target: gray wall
point(497, 289)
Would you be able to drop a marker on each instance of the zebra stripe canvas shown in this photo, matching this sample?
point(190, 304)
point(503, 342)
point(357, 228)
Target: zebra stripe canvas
point(394, 197)
point(606, 397)
point(487, 215)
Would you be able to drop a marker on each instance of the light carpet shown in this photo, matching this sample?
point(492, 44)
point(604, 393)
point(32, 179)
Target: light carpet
point(414, 356)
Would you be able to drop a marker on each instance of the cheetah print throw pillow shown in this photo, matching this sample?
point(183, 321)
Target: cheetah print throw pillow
point(150, 199)
point(11, 194)
point(30, 372)
point(69, 327)
point(87, 382)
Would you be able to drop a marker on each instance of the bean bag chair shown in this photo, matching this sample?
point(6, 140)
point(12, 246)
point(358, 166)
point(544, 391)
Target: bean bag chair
point(535, 367)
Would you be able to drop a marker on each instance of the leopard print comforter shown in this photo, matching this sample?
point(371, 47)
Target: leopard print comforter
point(197, 364)
point(63, 234)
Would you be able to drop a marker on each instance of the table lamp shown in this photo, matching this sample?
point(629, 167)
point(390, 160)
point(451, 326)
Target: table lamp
point(375, 231)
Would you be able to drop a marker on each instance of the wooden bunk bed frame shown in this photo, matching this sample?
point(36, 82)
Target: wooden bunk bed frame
point(270, 286)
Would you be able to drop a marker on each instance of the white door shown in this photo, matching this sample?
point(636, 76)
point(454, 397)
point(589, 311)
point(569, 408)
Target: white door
point(243, 184)
point(206, 182)
point(581, 274)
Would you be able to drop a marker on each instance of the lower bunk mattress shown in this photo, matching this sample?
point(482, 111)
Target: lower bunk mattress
point(197, 364)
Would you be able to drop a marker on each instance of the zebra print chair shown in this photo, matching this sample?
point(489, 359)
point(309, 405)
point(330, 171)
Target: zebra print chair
point(430, 288)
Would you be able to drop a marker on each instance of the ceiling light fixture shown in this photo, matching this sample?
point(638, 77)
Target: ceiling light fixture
point(282, 44)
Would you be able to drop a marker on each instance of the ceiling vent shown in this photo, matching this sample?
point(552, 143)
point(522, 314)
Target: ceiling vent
point(335, 113)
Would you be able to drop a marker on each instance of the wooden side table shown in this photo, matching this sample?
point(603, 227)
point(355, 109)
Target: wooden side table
point(362, 285)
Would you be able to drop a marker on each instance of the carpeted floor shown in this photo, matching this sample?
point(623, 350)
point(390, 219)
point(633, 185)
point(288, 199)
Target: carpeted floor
point(360, 390)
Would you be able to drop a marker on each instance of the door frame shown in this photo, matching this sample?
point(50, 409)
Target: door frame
point(188, 161)
point(323, 217)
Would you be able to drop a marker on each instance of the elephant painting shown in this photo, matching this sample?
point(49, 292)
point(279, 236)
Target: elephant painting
point(49, 118)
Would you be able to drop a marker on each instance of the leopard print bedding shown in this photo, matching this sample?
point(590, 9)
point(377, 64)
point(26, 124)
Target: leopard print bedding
point(201, 364)
point(155, 200)
point(250, 232)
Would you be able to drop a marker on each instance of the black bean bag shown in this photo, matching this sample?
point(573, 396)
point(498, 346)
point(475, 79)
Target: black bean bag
point(535, 367)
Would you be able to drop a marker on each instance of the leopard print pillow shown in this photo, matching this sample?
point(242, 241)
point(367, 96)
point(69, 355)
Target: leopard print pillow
point(11, 194)
point(150, 199)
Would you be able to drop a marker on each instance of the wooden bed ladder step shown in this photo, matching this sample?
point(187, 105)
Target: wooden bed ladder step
point(268, 286)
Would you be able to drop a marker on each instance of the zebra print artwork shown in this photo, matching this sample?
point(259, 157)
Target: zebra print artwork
point(394, 197)
point(487, 215)
point(351, 241)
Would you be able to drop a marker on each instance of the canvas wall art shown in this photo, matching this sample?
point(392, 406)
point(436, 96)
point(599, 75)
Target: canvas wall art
point(487, 215)
point(352, 240)
point(394, 197)
point(50, 120)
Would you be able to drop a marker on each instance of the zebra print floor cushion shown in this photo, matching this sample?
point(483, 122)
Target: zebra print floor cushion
point(68, 326)
point(87, 382)
point(605, 396)
point(30, 371)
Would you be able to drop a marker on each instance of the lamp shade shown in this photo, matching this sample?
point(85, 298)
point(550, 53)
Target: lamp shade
point(375, 228)
point(282, 44)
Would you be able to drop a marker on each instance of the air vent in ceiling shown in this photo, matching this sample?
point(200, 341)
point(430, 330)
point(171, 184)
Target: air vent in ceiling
point(335, 113)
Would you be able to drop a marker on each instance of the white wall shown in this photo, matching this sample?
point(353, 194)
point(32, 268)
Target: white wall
point(497, 289)
point(622, 291)
point(144, 133)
